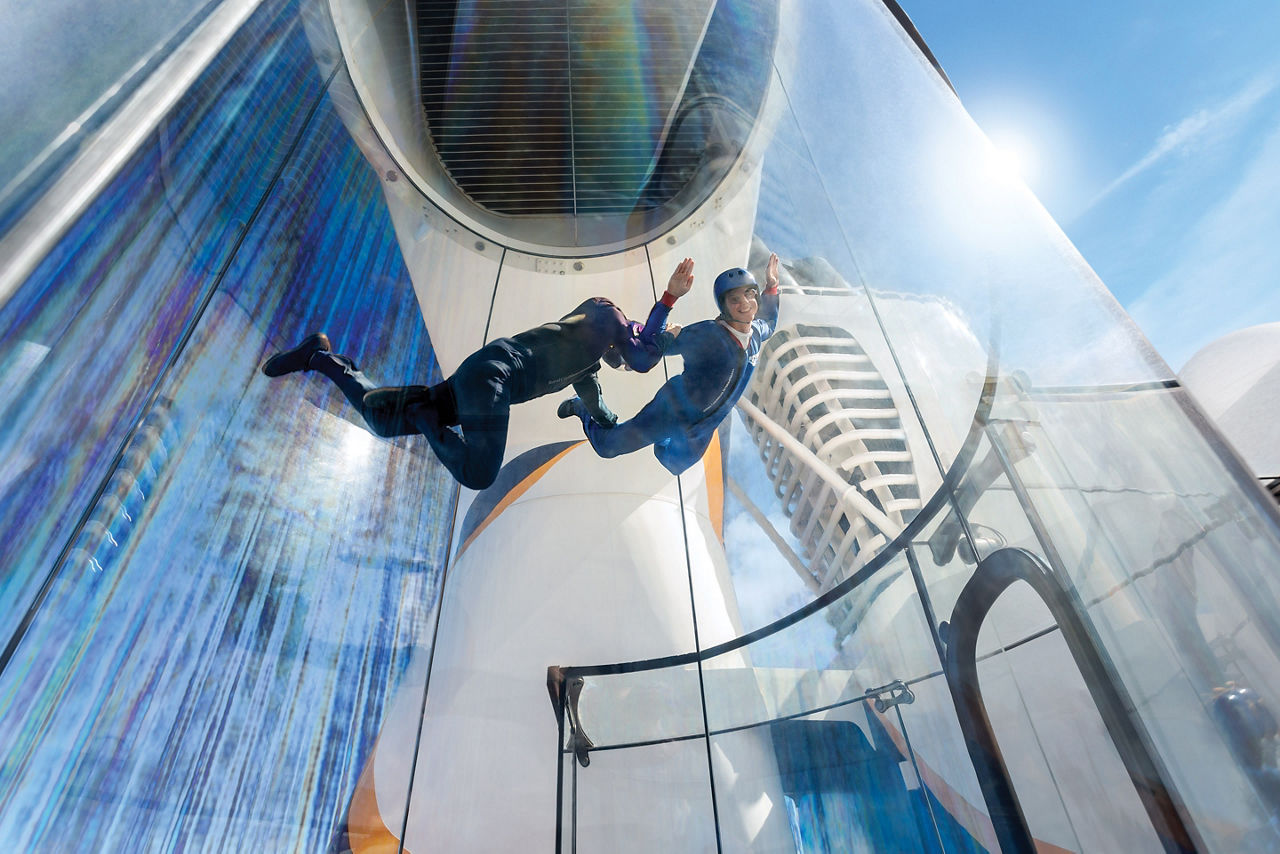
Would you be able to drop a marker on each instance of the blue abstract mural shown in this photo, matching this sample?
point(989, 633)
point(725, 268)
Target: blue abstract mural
point(212, 581)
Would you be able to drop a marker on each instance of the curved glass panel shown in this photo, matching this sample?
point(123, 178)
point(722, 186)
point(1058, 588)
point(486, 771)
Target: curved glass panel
point(952, 389)
point(963, 556)
point(201, 634)
point(70, 65)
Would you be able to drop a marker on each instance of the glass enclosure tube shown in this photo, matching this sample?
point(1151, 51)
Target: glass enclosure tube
point(988, 560)
point(1043, 435)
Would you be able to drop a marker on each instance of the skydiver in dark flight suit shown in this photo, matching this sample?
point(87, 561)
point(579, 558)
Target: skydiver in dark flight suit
point(506, 371)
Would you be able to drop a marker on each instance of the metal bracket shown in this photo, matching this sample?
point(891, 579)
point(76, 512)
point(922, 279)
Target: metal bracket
point(898, 694)
point(564, 697)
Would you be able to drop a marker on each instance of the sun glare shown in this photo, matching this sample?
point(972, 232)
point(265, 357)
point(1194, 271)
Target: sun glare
point(1011, 158)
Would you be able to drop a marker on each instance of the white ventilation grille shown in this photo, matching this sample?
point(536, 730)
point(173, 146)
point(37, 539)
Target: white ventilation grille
point(588, 107)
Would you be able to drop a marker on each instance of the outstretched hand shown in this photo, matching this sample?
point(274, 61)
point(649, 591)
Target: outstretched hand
point(681, 281)
point(771, 273)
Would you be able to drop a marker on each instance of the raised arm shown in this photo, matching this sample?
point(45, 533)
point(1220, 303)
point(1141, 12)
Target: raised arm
point(768, 311)
point(680, 283)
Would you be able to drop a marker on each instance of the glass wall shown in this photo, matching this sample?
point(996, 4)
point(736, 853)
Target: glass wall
point(211, 583)
point(964, 557)
point(957, 446)
point(70, 65)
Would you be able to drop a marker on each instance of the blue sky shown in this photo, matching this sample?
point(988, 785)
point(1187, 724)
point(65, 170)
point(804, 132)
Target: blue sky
point(1150, 131)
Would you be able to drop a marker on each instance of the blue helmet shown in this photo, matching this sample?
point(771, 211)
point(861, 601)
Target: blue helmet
point(729, 280)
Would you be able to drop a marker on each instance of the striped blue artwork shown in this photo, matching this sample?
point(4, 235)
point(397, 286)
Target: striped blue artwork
point(213, 581)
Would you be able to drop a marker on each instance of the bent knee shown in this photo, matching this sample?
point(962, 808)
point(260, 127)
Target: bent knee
point(479, 478)
point(605, 449)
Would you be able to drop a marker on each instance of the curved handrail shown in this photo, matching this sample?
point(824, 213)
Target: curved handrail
point(940, 499)
point(561, 679)
point(995, 574)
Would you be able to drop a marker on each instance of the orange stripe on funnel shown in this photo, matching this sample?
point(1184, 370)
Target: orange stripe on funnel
point(516, 491)
point(714, 470)
point(367, 833)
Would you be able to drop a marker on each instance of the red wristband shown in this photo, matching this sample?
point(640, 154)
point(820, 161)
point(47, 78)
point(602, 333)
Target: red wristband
point(668, 300)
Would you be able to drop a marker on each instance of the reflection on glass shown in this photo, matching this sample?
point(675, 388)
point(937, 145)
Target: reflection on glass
point(951, 391)
point(77, 62)
point(653, 798)
point(205, 607)
point(976, 554)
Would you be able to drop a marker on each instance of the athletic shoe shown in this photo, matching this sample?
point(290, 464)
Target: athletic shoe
point(571, 407)
point(297, 359)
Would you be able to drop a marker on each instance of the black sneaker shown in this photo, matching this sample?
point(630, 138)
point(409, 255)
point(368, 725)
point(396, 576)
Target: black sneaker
point(571, 407)
point(297, 359)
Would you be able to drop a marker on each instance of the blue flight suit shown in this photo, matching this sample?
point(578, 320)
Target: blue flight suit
point(681, 418)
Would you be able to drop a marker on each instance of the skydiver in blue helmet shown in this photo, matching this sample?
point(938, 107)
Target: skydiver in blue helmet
point(478, 397)
point(719, 355)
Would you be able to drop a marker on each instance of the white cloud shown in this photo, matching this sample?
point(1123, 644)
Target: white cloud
point(1225, 274)
point(1193, 129)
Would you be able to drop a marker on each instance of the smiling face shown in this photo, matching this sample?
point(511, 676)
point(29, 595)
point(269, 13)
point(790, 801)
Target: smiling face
point(740, 306)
